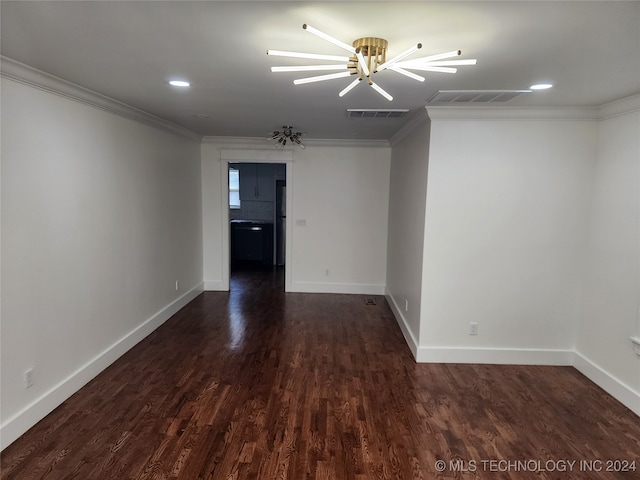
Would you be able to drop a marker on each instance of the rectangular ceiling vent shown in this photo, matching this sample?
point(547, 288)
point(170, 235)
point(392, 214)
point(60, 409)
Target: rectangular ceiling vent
point(475, 96)
point(376, 113)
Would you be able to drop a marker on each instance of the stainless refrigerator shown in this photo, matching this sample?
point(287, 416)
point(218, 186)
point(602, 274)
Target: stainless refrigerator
point(281, 220)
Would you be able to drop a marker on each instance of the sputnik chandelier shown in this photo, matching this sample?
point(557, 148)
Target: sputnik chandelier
point(368, 56)
point(285, 135)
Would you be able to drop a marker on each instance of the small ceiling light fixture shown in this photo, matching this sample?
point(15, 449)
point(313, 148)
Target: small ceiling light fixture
point(179, 83)
point(541, 86)
point(285, 135)
point(368, 56)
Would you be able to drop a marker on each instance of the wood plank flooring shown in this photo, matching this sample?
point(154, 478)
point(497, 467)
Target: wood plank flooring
point(259, 384)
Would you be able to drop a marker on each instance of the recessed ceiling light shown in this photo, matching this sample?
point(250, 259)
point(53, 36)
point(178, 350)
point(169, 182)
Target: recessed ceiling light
point(179, 83)
point(541, 86)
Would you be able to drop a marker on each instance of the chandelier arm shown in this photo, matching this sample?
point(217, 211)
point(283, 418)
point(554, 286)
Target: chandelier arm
point(321, 78)
point(309, 68)
point(427, 68)
point(312, 56)
point(329, 38)
point(407, 73)
point(445, 63)
point(349, 87)
point(397, 58)
point(381, 91)
point(440, 56)
point(362, 63)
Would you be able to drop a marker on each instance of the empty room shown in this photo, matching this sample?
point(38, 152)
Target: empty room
point(320, 240)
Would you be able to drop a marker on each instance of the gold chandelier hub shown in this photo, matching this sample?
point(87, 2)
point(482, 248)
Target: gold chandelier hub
point(374, 51)
point(371, 42)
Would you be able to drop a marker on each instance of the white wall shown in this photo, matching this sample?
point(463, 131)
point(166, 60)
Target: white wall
point(533, 231)
point(504, 235)
point(212, 217)
point(100, 216)
point(610, 305)
point(407, 197)
point(341, 193)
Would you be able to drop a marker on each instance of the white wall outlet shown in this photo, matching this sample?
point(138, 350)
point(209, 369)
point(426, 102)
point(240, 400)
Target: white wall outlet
point(326, 272)
point(301, 222)
point(177, 285)
point(27, 378)
point(406, 305)
point(473, 328)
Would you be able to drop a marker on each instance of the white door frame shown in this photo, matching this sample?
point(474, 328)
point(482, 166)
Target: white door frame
point(228, 156)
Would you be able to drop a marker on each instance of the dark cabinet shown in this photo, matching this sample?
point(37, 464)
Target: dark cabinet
point(256, 182)
point(252, 241)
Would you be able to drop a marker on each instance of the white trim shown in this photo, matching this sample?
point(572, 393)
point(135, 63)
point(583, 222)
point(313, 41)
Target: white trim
point(345, 142)
point(289, 238)
point(610, 384)
point(611, 109)
point(233, 155)
point(350, 288)
point(518, 356)
point(21, 73)
point(22, 421)
point(224, 227)
point(497, 356)
point(402, 323)
point(238, 155)
point(512, 113)
point(237, 141)
point(419, 119)
point(308, 142)
point(214, 286)
point(619, 107)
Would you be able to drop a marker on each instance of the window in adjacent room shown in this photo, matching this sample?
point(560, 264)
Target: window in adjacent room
point(234, 188)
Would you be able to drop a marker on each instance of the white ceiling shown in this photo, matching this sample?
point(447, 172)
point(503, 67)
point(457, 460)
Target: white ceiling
point(128, 51)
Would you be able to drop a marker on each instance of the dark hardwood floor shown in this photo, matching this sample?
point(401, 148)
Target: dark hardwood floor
point(259, 384)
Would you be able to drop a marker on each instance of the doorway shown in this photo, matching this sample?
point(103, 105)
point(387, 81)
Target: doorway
point(257, 223)
point(253, 156)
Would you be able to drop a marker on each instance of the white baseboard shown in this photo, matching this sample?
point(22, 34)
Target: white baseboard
point(402, 322)
point(610, 384)
point(215, 286)
point(349, 288)
point(22, 421)
point(518, 356)
point(497, 356)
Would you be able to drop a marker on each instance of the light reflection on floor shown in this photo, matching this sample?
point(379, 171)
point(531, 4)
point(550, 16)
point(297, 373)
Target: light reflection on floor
point(247, 283)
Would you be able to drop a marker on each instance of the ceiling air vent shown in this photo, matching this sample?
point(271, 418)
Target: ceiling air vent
point(373, 113)
point(475, 96)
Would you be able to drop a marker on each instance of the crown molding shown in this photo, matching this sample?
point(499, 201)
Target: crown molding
point(27, 75)
point(417, 120)
point(345, 142)
point(611, 109)
point(308, 142)
point(257, 141)
point(622, 106)
point(512, 113)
